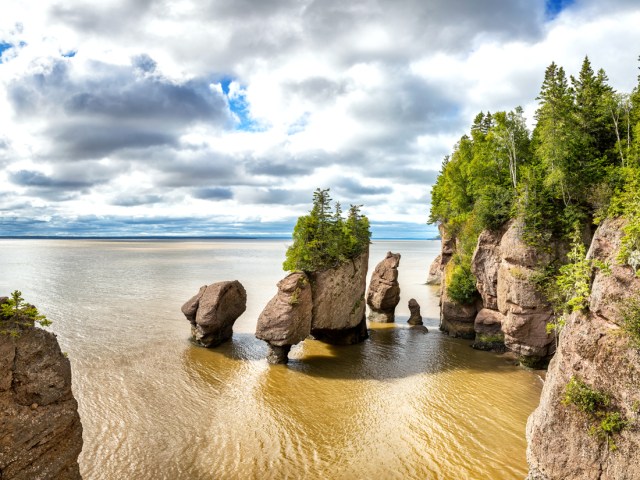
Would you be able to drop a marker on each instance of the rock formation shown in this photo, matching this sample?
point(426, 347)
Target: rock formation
point(339, 303)
point(40, 429)
point(328, 304)
point(414, 309)
point(512, 314)
point(564, 442)
point(213, 311)
point(286, 320)
point(447, 248)
point(384, 291)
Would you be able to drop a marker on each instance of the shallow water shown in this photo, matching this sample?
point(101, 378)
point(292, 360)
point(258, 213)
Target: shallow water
point(403, 404)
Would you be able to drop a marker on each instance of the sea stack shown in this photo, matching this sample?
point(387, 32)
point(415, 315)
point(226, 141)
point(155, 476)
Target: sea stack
point(384, 291)
point(286, 320)
point(414, 309)
point(213, 311)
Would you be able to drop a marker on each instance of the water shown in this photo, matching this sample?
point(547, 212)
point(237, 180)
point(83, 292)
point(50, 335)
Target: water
point(404, 404)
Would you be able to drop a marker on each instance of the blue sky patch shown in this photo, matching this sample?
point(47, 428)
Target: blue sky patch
point(554, 7)
point(239, 107)
point(69, 54)
point(3, 47)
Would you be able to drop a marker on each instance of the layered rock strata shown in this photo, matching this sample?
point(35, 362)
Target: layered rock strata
point(213, 311)
point(384, 290)
point(447, 249)
point(564, 442)
point(40, 429)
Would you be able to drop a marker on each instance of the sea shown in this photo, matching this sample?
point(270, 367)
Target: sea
point(405, 404)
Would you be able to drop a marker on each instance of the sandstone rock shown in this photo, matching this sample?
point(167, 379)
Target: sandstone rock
point(339, 302)
point(455, 319)
point(435, 271)
point(414, 309)
point(278, 354)
point(384, 291)
point(593, 348)
point(526, 312)
point(485, 264)
point(286, 320)
point(213, 311)
point(488, 328)
point(45, 441)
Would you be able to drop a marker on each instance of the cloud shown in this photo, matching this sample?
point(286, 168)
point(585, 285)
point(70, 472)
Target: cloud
point(124, 115)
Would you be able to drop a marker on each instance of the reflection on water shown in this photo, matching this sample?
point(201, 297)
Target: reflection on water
point(403, 404)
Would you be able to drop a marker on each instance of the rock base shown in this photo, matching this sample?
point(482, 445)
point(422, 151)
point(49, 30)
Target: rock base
point(347, 336)
point(278, 354)
point(381, 317)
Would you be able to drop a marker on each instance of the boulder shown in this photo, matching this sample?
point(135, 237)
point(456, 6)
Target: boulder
point(593, 348)
point(338, 314)
point(286, 320)
point(213, 311)
point(41, 433)
point(414, 309)
point(488, 328)
point(384, 291)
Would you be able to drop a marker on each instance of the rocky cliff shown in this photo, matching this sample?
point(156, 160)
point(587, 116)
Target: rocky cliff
point(511, 312)
point(40, 429)
point(587, 423)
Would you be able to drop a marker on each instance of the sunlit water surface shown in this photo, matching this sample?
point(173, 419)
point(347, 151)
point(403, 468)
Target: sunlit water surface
point(404, 404)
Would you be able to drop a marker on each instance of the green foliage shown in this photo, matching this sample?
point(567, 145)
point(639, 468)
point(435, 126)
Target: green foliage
point(461, 284)
point(323, 238)
point(596, 404)
point(630, 310)
point(16, 314)
point(627, 204)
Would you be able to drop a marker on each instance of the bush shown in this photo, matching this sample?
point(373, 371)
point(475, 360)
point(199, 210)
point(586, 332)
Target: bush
point(461, 287)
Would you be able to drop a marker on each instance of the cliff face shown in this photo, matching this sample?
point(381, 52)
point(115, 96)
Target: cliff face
point(563, 441)
point(40, 429)
point(511, 313)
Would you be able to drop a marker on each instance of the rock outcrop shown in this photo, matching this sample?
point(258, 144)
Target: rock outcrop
point(456, 319)
point(564, 442)
point(213, 311)
point(40, 429)
point(414, 309)
point(384, 290)
point(327, 304)
point(447, 249)
point(525, 309)
point(286, 320)
point(339, 302)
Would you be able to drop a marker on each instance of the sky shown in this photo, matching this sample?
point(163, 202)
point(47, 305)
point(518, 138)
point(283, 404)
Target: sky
point(218, 117)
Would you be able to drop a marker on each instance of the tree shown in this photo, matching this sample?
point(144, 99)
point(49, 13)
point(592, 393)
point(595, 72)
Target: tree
point(323, 238)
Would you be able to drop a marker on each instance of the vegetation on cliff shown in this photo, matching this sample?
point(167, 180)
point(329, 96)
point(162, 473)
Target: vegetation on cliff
point(16, 314)
point(580, 164)
point(324, 239)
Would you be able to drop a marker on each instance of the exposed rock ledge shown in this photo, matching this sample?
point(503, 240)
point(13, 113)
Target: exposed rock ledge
point(593, 348)
point(40, 429)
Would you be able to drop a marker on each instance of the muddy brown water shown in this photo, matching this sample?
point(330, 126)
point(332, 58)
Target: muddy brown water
point(404, 404)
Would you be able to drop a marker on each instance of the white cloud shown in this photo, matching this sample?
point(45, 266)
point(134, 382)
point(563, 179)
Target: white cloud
point(365, 97)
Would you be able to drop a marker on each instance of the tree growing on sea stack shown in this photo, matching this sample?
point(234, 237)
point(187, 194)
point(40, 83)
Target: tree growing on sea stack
point(323, 239)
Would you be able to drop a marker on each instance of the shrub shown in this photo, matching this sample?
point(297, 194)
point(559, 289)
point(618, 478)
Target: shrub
point(16, 314)
point(461, 286)
point(631, 320)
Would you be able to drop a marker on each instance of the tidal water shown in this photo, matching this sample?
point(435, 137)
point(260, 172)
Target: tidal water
point(404, 404)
